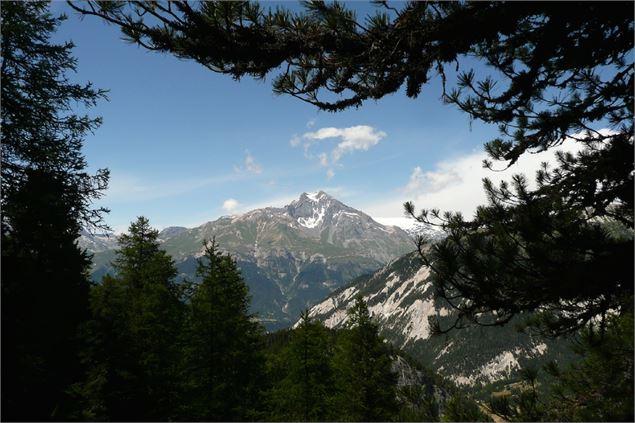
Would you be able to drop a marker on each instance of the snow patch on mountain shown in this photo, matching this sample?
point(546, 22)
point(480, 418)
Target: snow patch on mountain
point(313, 196)
point(97, 242)
point(345, 213)
point(313, 221)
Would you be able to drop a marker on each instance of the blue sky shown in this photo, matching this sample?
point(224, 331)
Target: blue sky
point(181, 142)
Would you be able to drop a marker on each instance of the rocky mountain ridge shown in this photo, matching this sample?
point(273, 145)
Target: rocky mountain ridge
point(401, 299)
point(291, 256)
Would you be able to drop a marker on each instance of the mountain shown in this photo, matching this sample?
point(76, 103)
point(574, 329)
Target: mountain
point(291, 257)
point(171, 231)
point(103, 246)
point(97, 242)
point(401, 298)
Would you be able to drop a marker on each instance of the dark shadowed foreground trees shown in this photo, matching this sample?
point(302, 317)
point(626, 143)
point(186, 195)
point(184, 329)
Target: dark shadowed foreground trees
point(304, 391)
point(346, 375)
point(44, 298)
point(222, 365)
point(160, 350)
point(131, 351)
point(557, 70)
point(46, 199)
point(598, 386)
point(366, 383)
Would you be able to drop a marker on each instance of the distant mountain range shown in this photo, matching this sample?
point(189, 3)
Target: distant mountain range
point(401, 298)
point(291, 257)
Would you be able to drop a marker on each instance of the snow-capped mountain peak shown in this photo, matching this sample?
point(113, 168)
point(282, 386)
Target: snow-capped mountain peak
point(311, 209)
point(295, 255)
point(315, 196)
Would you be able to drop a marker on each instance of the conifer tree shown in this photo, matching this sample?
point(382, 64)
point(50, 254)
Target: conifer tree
point(132, 350)
point(417, 405)
point(460, 408)
point(46, 197)
point(598, 386)
point(40, 129)
point(305, 391)
point(222, 362)
point(523, 403)
point(44, 299)
point(365, 382)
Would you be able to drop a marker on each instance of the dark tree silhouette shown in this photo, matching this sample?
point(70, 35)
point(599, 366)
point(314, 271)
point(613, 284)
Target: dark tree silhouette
point(365, 382)
point(46, 198)
point(305, 390)
point(222, 361)
point(131, 353)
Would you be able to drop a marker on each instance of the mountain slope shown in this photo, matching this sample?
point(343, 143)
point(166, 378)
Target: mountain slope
point(292, 256)
point(401, 299)
point(96, 243)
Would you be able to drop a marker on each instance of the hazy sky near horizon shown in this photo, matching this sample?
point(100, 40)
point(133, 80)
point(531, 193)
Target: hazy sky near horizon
point(185, 145)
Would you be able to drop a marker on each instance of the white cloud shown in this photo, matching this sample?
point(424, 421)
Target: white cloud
point(323, 133)
point(352, 139)
point(415, 182)
point(330, 173)
point(311, 122)
point(435, 181)
point(324, 159)
point(295, 141)
point(457, 184)
point(251, 164)
point(230, 205)
point(355, 138)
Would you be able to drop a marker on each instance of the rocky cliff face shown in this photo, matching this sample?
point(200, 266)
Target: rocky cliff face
point(401, 299)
